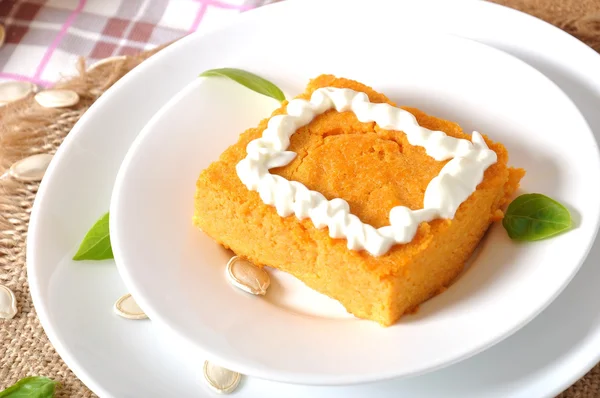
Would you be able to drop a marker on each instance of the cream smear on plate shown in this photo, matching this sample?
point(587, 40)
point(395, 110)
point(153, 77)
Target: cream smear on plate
point(457, 180)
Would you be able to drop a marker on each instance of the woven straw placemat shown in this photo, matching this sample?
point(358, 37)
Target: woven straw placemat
point(27, 129)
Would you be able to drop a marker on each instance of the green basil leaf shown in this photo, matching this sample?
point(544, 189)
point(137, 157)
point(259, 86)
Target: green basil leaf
point(535, 216)
point(96, 243)
point(31, 387)
point(249, 80)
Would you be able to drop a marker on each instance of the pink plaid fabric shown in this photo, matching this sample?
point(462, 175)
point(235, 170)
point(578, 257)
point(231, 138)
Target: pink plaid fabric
point(44, 38)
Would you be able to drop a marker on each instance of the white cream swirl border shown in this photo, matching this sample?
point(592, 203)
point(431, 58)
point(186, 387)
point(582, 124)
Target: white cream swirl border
point(457, 180)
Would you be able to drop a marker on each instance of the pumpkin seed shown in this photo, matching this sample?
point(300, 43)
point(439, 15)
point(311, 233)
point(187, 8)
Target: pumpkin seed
point(31, 168)
point(220, 380)
point(247, 276)
point(14, 91)
point(8, 303)
point(57, 98)
point(128, 308)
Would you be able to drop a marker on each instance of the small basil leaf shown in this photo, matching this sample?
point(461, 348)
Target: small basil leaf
point(96, 243)
point(249, 80)
point(31, 387)
point(535, 216)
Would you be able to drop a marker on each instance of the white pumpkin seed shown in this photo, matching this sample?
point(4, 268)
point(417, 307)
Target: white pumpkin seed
point(14, 91)
point(2, 34)
point(220, 380)
point(57, 98)
point(128, 308)
point(31, 168)
point(247, 276)
point(105, 61)
point(8, 303)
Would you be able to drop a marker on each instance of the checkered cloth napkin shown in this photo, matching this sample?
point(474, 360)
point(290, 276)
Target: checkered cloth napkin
point(44, 38)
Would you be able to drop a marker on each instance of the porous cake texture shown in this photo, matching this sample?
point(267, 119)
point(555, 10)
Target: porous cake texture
point(374, 170)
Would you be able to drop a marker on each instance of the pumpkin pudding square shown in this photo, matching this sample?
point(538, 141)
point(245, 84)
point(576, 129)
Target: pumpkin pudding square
point(338, 158)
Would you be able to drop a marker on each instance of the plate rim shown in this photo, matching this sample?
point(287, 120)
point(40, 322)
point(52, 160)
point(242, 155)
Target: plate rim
point(65, 354)
point(314, 378)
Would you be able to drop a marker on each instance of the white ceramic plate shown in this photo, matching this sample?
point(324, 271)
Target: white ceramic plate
point(120, 358)
point(176, 273)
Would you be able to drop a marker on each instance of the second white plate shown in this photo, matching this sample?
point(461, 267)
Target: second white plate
point(176, 273)
point(120, 358)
